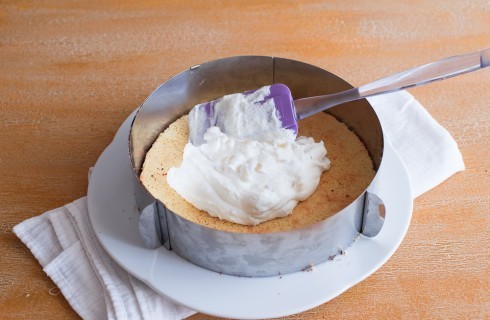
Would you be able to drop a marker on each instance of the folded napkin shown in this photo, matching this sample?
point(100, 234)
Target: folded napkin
point(64, 243)
point(428, 151)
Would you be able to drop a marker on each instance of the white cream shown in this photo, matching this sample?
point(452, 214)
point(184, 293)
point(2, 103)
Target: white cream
point(245, 116)
point(249, 169)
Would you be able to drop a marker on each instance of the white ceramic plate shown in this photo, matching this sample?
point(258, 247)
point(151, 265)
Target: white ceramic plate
point(114, 217)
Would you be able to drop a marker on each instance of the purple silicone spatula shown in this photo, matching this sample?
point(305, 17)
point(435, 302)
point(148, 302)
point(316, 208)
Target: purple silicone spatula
point(204, 113)
point(290, 111)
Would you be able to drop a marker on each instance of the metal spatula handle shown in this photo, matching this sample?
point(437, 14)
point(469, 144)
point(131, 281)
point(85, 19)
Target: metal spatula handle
point(435, 71)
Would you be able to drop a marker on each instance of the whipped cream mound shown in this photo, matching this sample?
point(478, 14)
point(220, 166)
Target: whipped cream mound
point(245, 116)
point(249, 169)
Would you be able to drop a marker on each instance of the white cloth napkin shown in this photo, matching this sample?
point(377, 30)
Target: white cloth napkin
point(428, 151)
point(63, 241)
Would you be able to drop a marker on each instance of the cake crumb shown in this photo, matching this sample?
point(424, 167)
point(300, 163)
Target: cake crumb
point(357, 237)
point(309, 268)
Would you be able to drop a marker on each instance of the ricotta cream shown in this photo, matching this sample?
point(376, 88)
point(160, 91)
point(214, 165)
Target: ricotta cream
point(249, 169)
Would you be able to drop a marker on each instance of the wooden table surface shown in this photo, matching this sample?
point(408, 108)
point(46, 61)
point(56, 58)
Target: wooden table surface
point(72, 71)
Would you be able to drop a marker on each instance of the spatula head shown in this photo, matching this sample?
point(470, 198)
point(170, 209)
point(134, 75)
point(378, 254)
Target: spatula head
point(283, 101)
point(202, 116)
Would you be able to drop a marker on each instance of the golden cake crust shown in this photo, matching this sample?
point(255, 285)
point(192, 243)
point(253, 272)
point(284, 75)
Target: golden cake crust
point(349, 175)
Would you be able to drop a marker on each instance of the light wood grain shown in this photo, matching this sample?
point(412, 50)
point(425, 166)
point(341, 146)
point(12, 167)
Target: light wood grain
point(71, 71)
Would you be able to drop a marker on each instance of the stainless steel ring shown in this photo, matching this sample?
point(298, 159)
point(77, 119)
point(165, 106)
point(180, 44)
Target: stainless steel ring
point(251, 254)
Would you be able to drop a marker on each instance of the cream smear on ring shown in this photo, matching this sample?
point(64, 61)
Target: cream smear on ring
point(249, 169)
